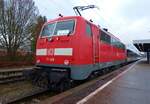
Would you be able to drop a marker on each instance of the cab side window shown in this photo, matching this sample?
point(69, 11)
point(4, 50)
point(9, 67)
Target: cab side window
point(88, 29)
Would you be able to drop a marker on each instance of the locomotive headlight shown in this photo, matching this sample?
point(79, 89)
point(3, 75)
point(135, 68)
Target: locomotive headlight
point(66, 62)
point(38, 61)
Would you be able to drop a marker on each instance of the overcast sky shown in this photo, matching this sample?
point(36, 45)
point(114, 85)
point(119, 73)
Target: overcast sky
point(126, 19)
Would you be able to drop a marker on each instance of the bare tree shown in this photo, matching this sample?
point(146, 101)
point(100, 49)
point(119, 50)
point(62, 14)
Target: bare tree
point(36, 30)
point(17, 18)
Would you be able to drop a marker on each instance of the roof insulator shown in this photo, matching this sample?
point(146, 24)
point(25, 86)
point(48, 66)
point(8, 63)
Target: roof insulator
point(91, 20)
point(99, 26)
point(105, 29)
point(60, 15)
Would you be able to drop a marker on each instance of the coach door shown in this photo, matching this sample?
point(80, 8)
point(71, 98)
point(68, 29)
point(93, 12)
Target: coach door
point(95, 38)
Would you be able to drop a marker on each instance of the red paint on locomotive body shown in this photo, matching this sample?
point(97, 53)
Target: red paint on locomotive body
point(77, 47)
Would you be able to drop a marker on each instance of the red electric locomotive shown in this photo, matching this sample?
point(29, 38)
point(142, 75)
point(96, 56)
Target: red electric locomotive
point(72, 48)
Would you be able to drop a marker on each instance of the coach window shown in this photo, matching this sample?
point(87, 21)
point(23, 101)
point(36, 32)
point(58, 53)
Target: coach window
point(116, 43)
point(108, 39)
point(122, 46)
point(112, 41)
point(102, 36)
point(105, 38)
point(88, 30)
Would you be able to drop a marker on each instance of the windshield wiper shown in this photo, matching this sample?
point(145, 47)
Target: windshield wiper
point(69, 33)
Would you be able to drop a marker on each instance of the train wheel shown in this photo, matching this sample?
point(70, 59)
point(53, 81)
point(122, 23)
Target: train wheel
point(92, 76)
point(64, 84)
point(104, 71)
point(42, 80)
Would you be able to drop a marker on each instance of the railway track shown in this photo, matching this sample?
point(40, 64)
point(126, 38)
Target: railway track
point(11, 76)
point(11, 92)
point(14, 86)
point(7, 76)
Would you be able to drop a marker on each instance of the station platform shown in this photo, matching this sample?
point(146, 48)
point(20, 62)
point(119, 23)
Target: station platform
point(131, 87)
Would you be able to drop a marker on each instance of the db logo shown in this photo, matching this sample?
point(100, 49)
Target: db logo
point(50, 51)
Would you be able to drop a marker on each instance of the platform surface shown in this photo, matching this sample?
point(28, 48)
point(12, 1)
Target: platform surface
point(133, 87)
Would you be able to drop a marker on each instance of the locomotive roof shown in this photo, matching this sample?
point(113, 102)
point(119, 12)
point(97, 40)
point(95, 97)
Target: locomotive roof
point(66, 17)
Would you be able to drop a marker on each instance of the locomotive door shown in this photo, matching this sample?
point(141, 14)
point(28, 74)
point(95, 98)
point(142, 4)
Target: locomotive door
point(95, 42)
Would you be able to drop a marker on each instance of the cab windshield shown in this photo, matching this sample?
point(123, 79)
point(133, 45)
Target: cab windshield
point(58, 28)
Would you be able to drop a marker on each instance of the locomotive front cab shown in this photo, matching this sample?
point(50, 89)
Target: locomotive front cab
point(55, 43)
point(56, 48)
